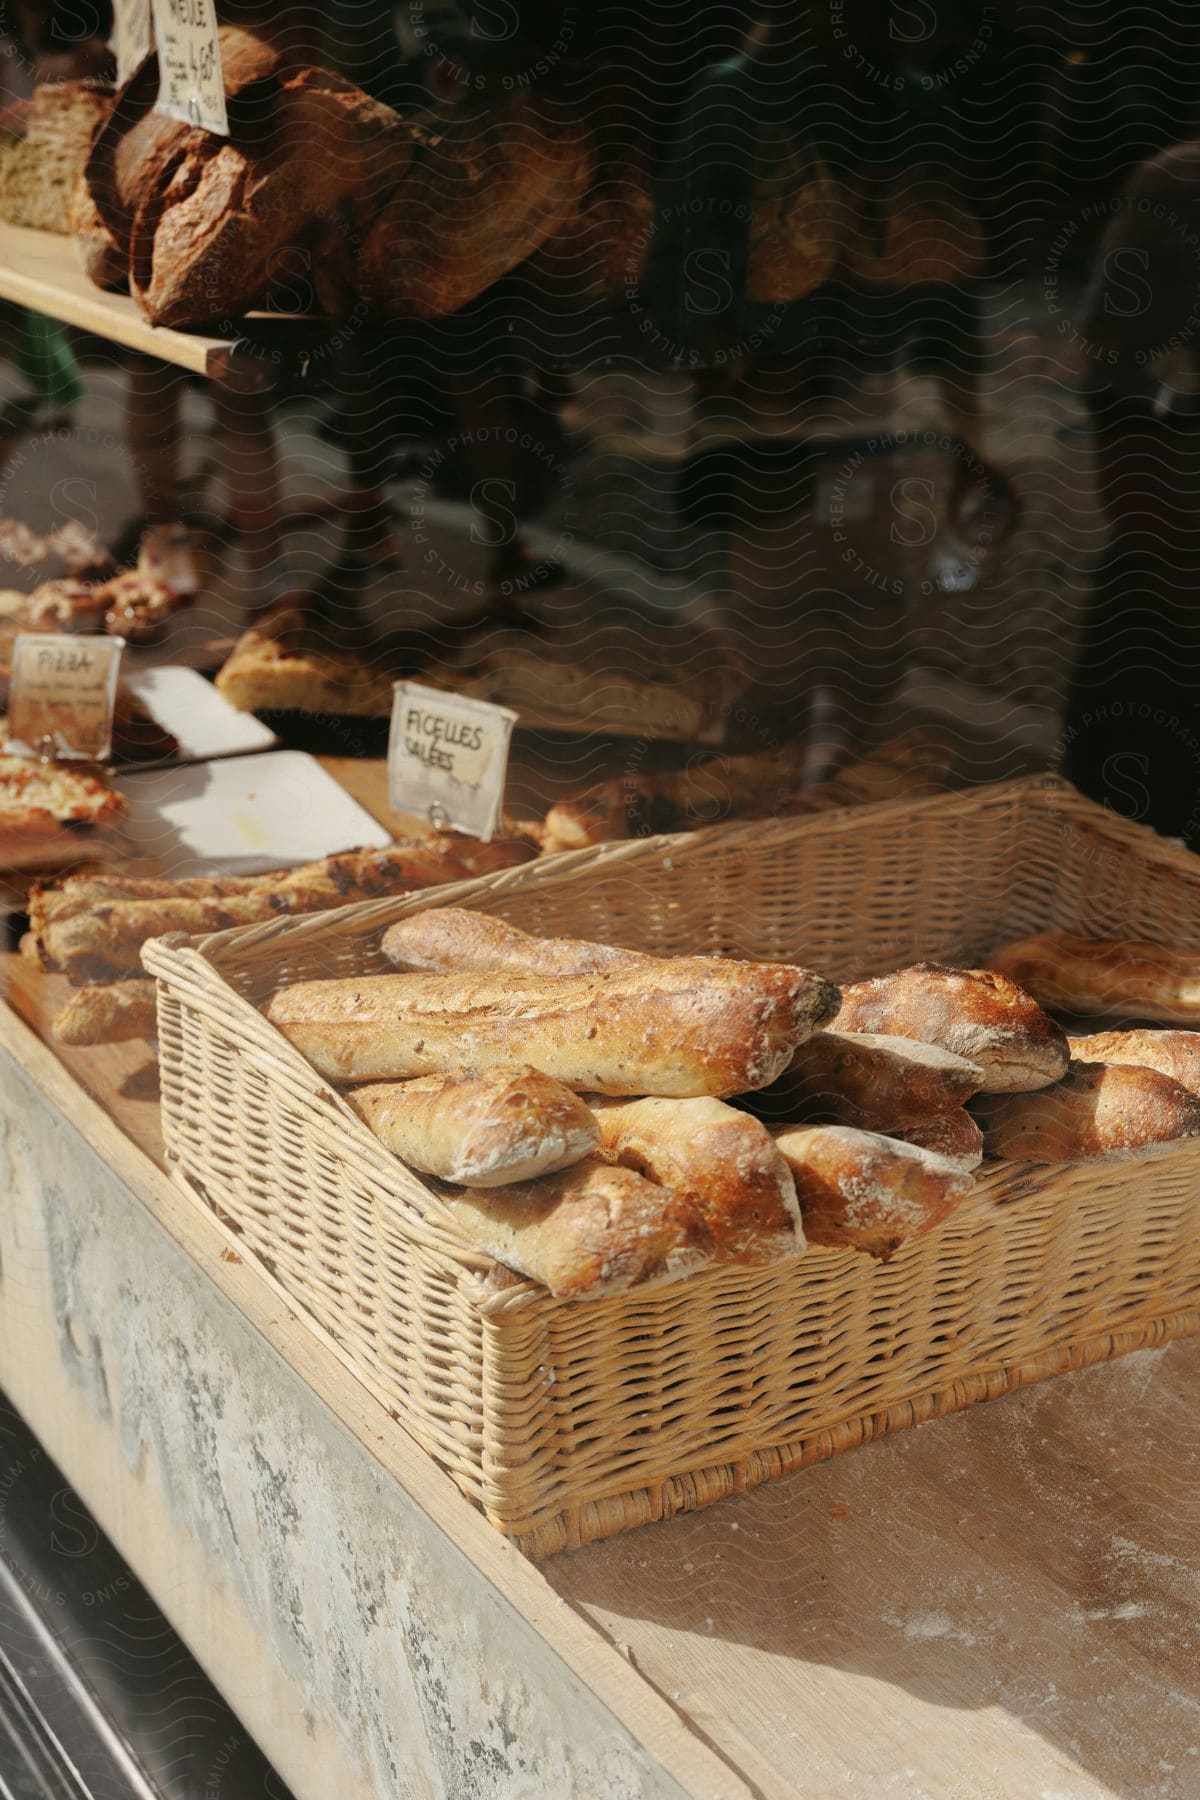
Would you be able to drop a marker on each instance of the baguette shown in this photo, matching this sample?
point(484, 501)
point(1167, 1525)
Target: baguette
point(1173, 1053)
point(976, 1013)
point(451, 939)
point(1117, 977)
point(1097, 1110)
point(719, 1162)
point(684, 1027)
point(590, 1229)
point(108, 1015)
point(872, 1080)
point(861, 1191)
point(510, 1124)
point(954, 1135)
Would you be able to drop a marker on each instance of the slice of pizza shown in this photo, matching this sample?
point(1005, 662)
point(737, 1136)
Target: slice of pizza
point(42, 804)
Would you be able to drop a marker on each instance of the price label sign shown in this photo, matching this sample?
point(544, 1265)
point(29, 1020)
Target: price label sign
point(133, 35)
point(448, 758)
point(191, 82)
point(60, 695)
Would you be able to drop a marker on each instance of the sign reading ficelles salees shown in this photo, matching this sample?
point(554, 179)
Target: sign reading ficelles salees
point(132, 36)
point(191, 82)
point(61, 694)
point(448, 758)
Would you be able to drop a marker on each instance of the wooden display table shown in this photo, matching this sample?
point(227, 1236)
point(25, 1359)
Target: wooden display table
point(1002, 1603)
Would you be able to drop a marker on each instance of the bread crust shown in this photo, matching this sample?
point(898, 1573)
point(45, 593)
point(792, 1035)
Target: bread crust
point(480, 1130)
point(452, 938)
point(954, 1135)
point(115, 1014)
point(591, 1229)
point(678, 1028)
point(861, 1191)
point(875, 1081)
point(719, 1162)
point(1173, 1053)
point(1098, 1110)
point(979, 1014)
point(1106, 977)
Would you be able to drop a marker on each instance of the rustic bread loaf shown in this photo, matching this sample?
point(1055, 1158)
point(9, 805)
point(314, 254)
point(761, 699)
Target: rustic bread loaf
point(798, 220)
point(1096, 1110)
point(1173, 1053)
point(719, 1162)
point(507, 1124)
point(1119, 977)
point(447, 939)
point(874, 1080)
point(976, 1013)
point(680, 1027)
point(108, 1015)
point(590, 1229)
point(861, 1191)
point(954, 1135)
point(41, 173)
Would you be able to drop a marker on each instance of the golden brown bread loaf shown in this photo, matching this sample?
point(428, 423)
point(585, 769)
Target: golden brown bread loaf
point(680, 1027)
point(1096, 1110)
point(108, 1015)
point(480, 1130)
point(1173, 1053)
point(590, 1229)
point(954, 1135)
point(798, 220)
point(976, 1013)
point(41, 173)
point(874, 1080)
point(447, 939)
point(861, 1191)
point(1118, 977)
point(720, 1163)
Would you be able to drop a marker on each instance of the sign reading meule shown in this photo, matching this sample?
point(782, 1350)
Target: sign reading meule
point(448, 758)
point(191, 82)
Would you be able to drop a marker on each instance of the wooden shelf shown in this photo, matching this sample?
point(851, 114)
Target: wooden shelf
point(41, 270)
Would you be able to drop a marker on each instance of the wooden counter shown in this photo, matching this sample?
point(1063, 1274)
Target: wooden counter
point(1002, 1603)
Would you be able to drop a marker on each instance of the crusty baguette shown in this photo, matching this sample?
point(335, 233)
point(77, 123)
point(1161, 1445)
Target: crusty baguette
point(718, 1161)
point(508, 1124)
point(874, 1081)
point(1096, 1110)
point(590, 1229)
point(680, 1027)
point(108, 1015)
point(1173, 1053)
point(861, 1191)
point(450, 939)
point(977, 1013)
point(954, 1135)
point(1113, 977)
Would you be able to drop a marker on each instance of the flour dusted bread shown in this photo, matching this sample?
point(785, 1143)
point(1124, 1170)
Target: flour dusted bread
point(1173, 1053)
point(874, 1080)
point(591, 1229)
point(451, 938)
point(679, 1027)
point(979, 1014)
point(507, 1124)
point(954, 1135)
point(116, 1014)
point(1117, 977)
point(861, 1191)
point(1096, 1110)
point(720, 1163)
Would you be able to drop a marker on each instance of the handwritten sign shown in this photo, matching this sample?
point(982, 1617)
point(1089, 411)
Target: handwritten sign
point(61, 695)
point(133, 35)
point(191, 82)
point(448, 758)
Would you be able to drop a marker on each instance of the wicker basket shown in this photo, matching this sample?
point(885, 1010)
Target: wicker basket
point(572, 1420)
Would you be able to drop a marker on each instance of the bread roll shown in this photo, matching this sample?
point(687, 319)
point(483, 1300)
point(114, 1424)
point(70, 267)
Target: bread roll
point(954, 1135)
point(590, 1229)
point(508, 1124)
point(1118, 977)
point(1097, 1110)
point(874, 1080)
point(450, 939)
point(719, 1162)
point(861, 1191)
point(108, 1015)
point(688, 1026)
point(976, 1013)
point(1173, 1053)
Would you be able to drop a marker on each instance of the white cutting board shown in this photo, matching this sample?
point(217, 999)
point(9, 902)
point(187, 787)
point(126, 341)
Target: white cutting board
point(243, 815)
point(199, 717)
